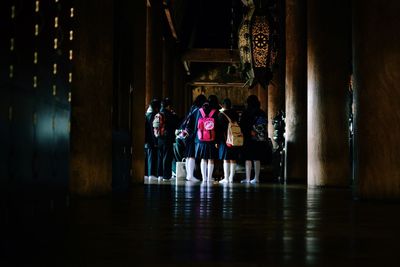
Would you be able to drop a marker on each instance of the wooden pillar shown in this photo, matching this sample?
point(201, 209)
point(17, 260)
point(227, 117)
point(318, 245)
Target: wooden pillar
point(276, 90)
point(92, 95)
point(139, 90)
point(179, 87)
point(154, 51)
point(262, 94)
point(156, 48)
point(168, 68)
point(149, 60)
point(329, 62)
point(296, 91)
point(377, 93)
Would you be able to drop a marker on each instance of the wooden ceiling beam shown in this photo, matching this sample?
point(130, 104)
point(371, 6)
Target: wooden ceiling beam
point(217, 84)
point(217, 55)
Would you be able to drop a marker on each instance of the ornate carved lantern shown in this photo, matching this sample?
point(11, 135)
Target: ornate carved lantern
point(257, 45)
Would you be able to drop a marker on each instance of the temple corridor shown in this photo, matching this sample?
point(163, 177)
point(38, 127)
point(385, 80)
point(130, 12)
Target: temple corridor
point(77, 83)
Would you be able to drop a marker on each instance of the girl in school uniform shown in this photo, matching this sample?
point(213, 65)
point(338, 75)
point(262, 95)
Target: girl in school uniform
point(229, 155)
point(254, 128)
point(190, 145)
point(206, 127)
point(150, 143)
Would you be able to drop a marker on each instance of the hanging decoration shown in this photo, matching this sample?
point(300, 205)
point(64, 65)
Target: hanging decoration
point(257, 43)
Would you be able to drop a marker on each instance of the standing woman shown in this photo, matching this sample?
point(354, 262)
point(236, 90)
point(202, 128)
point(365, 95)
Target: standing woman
point(150, 142)
point(228, 154)
point(166, 139)
point(190, 145)
point(254, 128)
point(206, 125)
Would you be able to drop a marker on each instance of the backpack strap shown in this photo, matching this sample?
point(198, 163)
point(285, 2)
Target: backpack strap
point(186, 121)
point(211, 113)
point(202, 112)
point(229, 119)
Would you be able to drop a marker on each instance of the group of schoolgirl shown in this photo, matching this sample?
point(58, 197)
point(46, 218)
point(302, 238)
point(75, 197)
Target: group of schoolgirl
point(160, 124)
point(210, 133)
point(213, 133)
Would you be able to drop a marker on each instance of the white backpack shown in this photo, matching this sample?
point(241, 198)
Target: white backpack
point(234, 136)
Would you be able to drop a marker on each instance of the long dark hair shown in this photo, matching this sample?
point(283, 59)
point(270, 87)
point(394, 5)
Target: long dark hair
point(199, 101)
point(212, 103)
point(155, 104)
point(253, 103)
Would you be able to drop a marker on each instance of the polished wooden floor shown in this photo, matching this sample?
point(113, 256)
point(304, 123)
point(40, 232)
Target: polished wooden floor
point(169, 224)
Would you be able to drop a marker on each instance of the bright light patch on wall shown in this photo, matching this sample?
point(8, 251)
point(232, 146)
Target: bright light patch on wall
point(54, 68)
point(12, 12)
point(69, 97)
point(44, 128)
point(11, 71)
point(54, 90)
point(71, 35)
point(70, 77)
point(12, 44)
point(56, 22)
point(35, 57)
point(34, 81)
point(37, 3)
point(71, 54)
point(71, 12)
point(36, 29)
point(55, 43)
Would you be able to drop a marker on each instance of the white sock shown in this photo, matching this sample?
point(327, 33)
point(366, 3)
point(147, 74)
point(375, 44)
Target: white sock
point(203, 169)
point(190, 164)
point(232, 173)
point(248, 170)
point(226, 170)
point(210, 170)
point(187, 168)
point(257, 167)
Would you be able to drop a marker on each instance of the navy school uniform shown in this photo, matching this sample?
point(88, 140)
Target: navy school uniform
point(190, 145)
point(253, 149)
point(165, 144)
point(225, 152)
point(206, 150)
point(150, 145)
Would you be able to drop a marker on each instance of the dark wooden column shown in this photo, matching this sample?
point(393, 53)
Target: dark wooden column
point(329, 62)
point(276, 90)
point(138, 89)
point(179, 88)
point(149, 60)
point(168, 68)
point(296, 91)
point(263, 97)
point(376, 59)
point(92, 95)
point(156, 48)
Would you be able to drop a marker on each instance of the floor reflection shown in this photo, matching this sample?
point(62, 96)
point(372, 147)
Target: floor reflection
point(181, 224)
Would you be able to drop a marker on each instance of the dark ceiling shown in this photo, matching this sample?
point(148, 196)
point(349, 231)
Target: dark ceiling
point(207, 23)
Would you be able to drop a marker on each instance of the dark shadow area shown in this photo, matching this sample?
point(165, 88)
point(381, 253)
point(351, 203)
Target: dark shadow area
point(196, 225)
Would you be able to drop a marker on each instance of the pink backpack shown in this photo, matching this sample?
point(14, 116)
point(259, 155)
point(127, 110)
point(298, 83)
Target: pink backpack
point(206, 126)
point(159, 125)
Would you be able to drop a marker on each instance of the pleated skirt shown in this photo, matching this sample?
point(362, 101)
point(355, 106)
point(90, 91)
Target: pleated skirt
point(206, 150)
